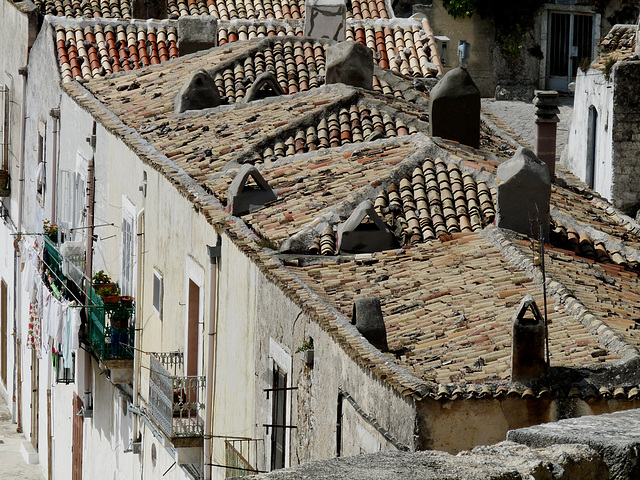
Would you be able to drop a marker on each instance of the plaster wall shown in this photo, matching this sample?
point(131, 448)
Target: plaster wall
point(18, 28)
point(592, 91)
point(236, 334)
point(474, 30)
point(314, 404)
point(452, 425)
point(17, 33)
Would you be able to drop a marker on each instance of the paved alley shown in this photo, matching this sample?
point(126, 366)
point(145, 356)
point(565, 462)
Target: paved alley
point(517, 118)
point(12, 463)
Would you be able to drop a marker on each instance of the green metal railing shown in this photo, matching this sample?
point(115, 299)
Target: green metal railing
point(54, 263)
point(111, 328)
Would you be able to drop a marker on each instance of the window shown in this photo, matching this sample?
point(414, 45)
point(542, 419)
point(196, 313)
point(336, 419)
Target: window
point(279, 395)
point(278, 417)
point(158, 292)
point(39, 174)
point(71, 207)
point(126, 278)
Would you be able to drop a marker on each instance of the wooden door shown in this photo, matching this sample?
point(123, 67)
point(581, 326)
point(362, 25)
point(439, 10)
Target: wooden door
point(76, 446)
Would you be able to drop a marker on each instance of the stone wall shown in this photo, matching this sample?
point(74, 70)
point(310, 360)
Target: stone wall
point(625, 190)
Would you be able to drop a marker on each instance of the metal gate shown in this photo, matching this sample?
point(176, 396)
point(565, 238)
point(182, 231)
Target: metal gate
point(570, 41)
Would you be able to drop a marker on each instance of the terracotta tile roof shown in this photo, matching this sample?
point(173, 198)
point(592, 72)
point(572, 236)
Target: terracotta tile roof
point(98, 50)
point(224, 10)
point(435, 201)
point(87, 8)
point(447, 304)
point(617, 45)
point(234, 32)
point(267, 9)
point(299, 65)
point(620, 37)
point(310, 187)
point(402, 49)
point(448, 309)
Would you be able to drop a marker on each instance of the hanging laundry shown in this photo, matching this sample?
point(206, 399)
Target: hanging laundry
point(70, 342)
point(34, 339)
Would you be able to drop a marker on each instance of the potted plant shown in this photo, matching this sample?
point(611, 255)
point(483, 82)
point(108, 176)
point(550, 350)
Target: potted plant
point(50, 230)
point(306, 352)
point(105, 287)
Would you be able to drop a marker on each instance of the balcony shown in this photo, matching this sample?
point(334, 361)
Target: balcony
point(111, 334)
point(176, 401)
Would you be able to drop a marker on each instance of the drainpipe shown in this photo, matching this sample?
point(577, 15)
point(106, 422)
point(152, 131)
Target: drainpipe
point(214, 255)
point(138, 323)
point(91, 186)
point(17, 383)
point(91, 190)
point(55, 115)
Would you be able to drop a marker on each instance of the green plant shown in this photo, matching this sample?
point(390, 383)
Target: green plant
point(305, 346)
point(50, 228)
point(608, 66)
point(585, 64)
point(100, 278)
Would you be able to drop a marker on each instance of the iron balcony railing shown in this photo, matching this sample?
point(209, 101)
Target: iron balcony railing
point(111, 328)
point(238, 454)
point(176, 401)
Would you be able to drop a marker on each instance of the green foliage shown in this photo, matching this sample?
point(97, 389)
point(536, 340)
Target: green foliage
point(100, 278)
point(305, 346)
point(608, 66)
point(460, 8)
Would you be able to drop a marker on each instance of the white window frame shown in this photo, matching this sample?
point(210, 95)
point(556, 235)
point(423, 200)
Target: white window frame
point(157, 275)
point(127, 247)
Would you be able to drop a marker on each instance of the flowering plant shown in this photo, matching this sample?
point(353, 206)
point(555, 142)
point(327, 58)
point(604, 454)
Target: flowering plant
point(50, 228)
point(101, 278)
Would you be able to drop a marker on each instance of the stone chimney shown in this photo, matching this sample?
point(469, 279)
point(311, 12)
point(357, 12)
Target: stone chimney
point(325, 19)
point(146, 9)
point(528, 360)
point(524, 193)
point(546, 102)
point(197, 93)
point(368, 319)
point(454, 111)
point(197, 32)
point(354, 236)
point(350, 63)
point(243, 198)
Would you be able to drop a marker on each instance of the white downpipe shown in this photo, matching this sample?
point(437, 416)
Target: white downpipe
point(55, 114)
point(211, 353)
point(138, 322)
point(17, 382)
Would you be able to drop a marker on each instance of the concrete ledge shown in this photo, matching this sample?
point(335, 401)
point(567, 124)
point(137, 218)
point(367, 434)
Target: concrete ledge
point(504, 461)
point(29, 453)
point(615, 436)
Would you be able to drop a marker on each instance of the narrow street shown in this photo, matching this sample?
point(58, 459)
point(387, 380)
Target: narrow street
point(12, 463)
